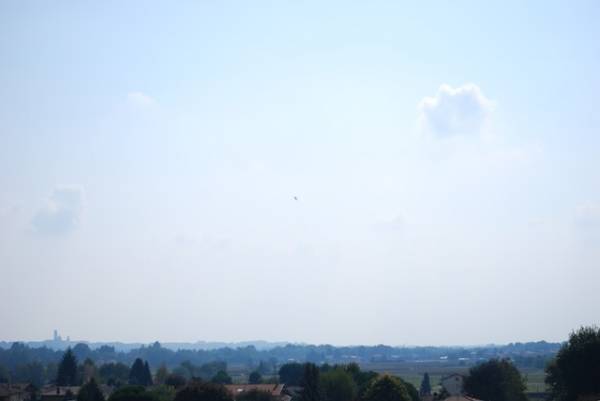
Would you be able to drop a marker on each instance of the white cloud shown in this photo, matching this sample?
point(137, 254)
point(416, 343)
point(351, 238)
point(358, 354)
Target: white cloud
point(455, 111)
point(61, 212)
point(140, 99)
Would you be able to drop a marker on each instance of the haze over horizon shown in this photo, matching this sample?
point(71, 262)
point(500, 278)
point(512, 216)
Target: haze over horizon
point(340, 173)
point(215, 343)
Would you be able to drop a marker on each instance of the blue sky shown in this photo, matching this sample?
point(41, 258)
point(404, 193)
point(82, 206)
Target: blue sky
point(444, 156)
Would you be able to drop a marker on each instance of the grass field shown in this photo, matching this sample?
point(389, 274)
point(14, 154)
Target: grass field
point(413, 372)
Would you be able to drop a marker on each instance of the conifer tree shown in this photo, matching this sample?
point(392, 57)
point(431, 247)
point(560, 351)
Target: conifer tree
point(137, 374)
point(147, 374)
point(67, 370)
point(425, 385)
point(311, 384)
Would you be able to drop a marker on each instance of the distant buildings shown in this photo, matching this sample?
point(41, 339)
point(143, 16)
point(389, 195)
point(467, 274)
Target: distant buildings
point(15, 392)
point(67, 393)
point(59, 393)
point(58, 339)
point(453, 384)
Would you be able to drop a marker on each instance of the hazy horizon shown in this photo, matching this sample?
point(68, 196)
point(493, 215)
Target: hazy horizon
point(274, 343)
point(341, 173)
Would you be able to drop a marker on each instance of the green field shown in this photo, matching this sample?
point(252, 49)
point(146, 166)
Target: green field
point(413, 372)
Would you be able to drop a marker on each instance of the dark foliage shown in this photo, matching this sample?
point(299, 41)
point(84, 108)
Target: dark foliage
point(386, 388)
point(33, 373)
point(266, 367)
point(338, 385)
point(291, 374)
point(311, 384)
point(140, 373)
point(425, 385)
point(67, 370)
point(576, 370)
point(362, 378)
point(147, 374)
point(90, 392)
point(412, 391)
point(255, 377)
point(132, 393)
point(202, 391)
point(4, 375)
point(205, 372)
point(221, 378)
point(114, 374)
point(495, 380)
point(175, 380)
point(82, 351)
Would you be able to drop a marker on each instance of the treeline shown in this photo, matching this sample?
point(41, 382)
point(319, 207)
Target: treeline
point(307, 381)
point(523, 354)
point(71, 371)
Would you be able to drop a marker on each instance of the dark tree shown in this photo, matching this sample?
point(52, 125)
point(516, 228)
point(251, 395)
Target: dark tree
point(386, 388)
point(495, 380)
point(175, 380)
point(209, 370)
point(140, 373)
point(411, 390)
point(255, 378)
point(147, 374)
point(311, 386)
point(30, 373)
point(291, 374)
point(425, 385)
point(264, 367)
point(338, 385)
point(362, 379)
point(90, 392)
point(201, 391)
point(162, 393)
point(575, 372)
point(221, 378)
point(114, 374)
point(255, 395)
point(67, 370)
point(4, 375)
point(82, 351)
point(132, 393)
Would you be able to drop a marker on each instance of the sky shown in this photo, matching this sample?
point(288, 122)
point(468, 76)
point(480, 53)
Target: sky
point(323, 172)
